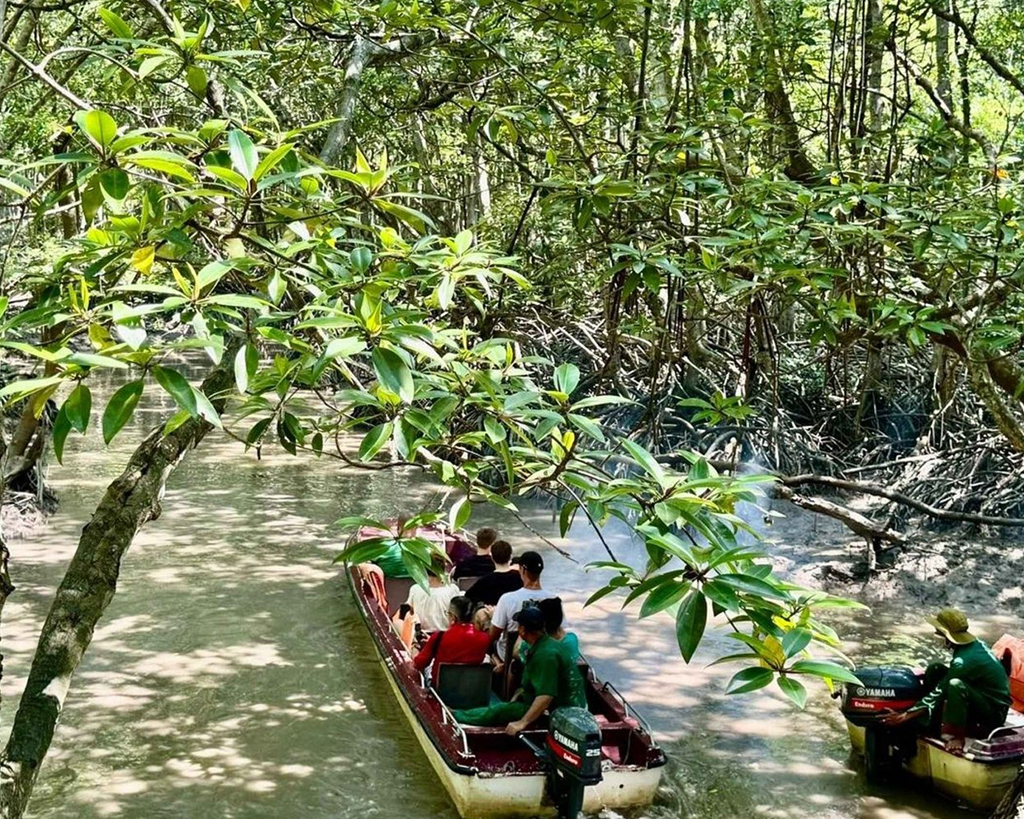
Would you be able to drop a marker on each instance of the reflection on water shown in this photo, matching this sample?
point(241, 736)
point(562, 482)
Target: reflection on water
point(232, 677)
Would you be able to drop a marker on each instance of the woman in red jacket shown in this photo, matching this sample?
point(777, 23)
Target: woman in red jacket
point(459, 643)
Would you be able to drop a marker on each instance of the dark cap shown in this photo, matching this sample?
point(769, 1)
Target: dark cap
point(531, 561)
point(530, 617)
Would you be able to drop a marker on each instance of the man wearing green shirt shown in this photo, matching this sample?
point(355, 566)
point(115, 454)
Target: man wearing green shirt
point(970, 696)
point(550, 680)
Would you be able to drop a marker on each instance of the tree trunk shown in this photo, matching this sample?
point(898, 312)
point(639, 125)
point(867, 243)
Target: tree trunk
point(365, 52)
point(337, 137)
point(89, 584)
point(780, 109)
point(943, 85)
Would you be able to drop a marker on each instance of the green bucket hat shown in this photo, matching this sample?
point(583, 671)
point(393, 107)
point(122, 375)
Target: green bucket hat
point(953, 625)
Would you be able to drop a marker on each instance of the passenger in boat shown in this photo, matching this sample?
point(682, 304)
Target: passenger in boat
point(503, 579)
point(531, 565)
point(461, 642)
point(551, 608)
point(551, 680)
point(431, 605)
point(969, 697)
point(481, 563)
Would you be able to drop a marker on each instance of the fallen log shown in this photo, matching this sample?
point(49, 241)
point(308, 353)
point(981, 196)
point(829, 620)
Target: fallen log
point(856, 522)
point(897, 497)
point(874, 533)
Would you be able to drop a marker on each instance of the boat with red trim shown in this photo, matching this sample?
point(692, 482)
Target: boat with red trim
point(486, 772)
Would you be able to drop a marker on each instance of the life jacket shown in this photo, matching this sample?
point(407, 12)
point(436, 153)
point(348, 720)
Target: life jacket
point(1009, 651)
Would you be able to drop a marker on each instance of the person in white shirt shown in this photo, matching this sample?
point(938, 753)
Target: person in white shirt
point(431, 606)
point(530, 564)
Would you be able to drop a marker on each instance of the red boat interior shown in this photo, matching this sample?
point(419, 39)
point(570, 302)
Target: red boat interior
point(624, 741)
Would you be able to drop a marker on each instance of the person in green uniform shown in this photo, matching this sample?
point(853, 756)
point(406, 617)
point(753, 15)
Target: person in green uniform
point(970, 696)
point(550, 680)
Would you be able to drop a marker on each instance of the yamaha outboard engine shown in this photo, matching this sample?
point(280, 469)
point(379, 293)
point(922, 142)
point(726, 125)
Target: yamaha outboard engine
point(882, 690)
point(572, 757)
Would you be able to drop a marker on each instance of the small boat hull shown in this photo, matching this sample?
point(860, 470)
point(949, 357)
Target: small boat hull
point(962, 778)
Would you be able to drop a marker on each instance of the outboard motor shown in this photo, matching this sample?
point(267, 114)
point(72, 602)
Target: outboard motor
point(571, 756)
point(883, 689)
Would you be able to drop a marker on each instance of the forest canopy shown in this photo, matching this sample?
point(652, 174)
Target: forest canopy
point(611, 253)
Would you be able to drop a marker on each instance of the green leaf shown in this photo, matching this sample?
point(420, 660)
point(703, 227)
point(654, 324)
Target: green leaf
point(567, 378)
point(496, 431)
point(244, 158)
point(177, 387)
point(151, 64)
point(115, 184)
point(344, 347)
point(691, 619)
point(206, 409)
point(270, 161)
point(565, 516)
point(794, 689)
point(242, 369)
point(257, 431)
point(197, 80)
point(61, 428)
point(78, 406)
point(120, 409)
point(116, 24)
point(463, 242)
point(795, 641)
point(176, 420)
point(663, 596)
point(644, 458)
point(458, 515)
point(824, 669)
point(98, 126)
point(28, 386)
point(751, 585)
point(393, 373)
point(601, 400)
point(374, 440)
point(277, 287)
point(214, 271)
point(360, 258)
point(588, 426)
point(749, 679)
point(165, 166)
point(94, 360)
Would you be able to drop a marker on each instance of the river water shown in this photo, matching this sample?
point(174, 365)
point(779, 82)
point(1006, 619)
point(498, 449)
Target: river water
point(231, 675)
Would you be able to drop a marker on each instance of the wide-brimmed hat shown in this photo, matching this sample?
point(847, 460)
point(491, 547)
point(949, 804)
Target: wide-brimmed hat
point(953, 625)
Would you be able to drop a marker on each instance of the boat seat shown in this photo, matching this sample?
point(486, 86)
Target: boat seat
point(464, 685)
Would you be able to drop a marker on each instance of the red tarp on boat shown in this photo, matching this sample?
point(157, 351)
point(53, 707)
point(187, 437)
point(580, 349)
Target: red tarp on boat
point(1015, 647)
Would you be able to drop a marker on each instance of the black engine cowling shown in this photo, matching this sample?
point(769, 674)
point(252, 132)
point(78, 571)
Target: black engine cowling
point(894, 688)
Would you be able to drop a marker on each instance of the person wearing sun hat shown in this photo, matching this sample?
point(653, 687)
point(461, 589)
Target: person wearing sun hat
point(970, 696)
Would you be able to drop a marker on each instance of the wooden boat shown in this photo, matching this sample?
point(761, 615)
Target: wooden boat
point(486, 772)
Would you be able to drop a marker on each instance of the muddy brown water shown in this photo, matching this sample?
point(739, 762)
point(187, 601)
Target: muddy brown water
point(232, 677)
